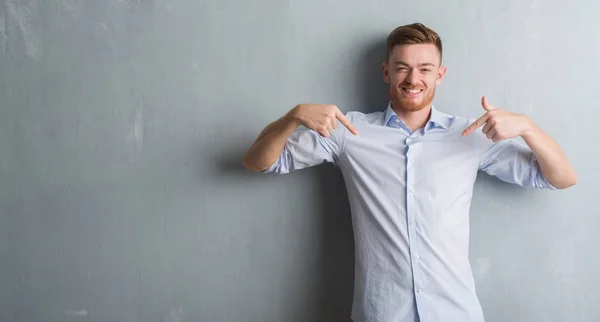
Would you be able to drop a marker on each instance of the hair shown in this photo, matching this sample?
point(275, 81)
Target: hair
point(415, 33)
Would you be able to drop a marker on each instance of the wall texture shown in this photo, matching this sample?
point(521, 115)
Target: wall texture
point(123, 124)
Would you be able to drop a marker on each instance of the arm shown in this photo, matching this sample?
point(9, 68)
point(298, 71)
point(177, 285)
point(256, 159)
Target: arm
point(547, 155)
point(268, 147)
point(553, 162)
point(269, 144)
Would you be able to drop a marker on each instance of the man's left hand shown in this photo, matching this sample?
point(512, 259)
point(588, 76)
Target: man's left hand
point(500, 124)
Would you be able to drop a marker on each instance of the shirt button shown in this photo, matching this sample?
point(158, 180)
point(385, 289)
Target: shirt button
point(417, 256)
point(413, 222)
point(397, 120)
point(411, 190)
point(419, 291)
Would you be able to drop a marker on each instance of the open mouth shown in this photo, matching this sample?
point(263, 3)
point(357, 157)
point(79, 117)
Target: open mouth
point(411, 90)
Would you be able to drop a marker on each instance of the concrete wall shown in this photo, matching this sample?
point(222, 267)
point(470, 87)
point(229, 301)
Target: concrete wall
point(123, 124)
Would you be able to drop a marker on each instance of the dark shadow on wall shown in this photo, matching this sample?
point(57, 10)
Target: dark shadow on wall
point(371, 90)
point(334, 269)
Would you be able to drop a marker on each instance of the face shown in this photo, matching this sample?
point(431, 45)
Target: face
point(413, 72)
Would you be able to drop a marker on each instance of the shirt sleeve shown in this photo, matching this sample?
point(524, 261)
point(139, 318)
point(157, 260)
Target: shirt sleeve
point(306, 148)
point(511, 161)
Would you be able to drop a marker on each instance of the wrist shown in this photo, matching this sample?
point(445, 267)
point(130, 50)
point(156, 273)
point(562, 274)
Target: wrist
point(530, 128)
point(293, 118)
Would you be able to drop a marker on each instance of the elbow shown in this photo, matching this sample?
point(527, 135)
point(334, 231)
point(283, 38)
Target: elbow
point(248, 164)
point(572, 181)
point(567, 182)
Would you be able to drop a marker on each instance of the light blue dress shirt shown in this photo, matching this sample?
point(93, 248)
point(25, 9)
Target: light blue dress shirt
point(410, 194)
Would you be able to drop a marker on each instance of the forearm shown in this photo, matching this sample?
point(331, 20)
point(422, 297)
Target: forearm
point(553, 162)
point(269, 144)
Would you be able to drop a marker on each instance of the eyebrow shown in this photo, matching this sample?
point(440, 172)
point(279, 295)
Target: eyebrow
point(421, 65)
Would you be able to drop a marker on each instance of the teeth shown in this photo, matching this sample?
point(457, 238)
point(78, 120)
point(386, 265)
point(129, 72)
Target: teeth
point(414, 91)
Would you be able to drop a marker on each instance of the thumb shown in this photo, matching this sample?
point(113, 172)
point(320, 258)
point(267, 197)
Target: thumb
point(485, 104)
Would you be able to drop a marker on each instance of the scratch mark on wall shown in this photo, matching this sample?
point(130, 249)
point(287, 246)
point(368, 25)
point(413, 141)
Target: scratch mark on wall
point(88, 274)
point(533, 5)
point(136, 134)
point(77, 313)
point(72, 7)
point(3, 165)
point(483, 267)
point(562, 259)
point(597, 48)
point(69, 191)
point(78, 127)
point(175, 315)
point(101, 26)
point(141, 303)
point(21, 24)
point(133, 4)
point(138, 129)
point(3, 28)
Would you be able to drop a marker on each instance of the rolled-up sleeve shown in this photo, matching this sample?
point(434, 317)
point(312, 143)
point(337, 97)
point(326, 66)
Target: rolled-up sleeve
point(511, 161)
point(306, 148)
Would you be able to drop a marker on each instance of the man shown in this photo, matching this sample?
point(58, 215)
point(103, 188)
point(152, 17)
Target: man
point(409, 172)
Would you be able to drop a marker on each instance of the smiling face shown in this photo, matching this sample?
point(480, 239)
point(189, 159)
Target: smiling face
point(413, 71)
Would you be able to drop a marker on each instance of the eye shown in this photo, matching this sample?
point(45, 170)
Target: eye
point(425, 70)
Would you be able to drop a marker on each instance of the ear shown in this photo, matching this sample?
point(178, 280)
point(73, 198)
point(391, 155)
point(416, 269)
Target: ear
point(385, 72)
point(440, 75)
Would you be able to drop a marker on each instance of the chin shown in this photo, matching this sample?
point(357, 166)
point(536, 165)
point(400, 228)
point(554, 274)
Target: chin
point(409, 106)
point(413, 107)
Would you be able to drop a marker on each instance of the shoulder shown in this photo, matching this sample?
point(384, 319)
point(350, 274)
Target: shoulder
point(360, 117)
point(456, 122)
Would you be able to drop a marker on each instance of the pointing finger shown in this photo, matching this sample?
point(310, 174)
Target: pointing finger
point(479, 122)
point(342, 118)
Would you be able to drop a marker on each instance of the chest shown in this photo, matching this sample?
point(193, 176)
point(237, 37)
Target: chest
point(438, 161)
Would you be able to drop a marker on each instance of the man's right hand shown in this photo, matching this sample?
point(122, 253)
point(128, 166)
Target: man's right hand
point(321, 118)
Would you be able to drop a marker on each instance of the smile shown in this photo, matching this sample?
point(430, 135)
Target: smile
point(412, 91)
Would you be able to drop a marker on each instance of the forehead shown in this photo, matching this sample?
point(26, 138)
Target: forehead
point(415, 54)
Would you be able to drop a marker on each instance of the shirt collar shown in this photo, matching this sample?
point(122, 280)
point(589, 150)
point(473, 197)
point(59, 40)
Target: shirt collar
point(436, 118)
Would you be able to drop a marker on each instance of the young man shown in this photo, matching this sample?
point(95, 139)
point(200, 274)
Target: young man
point(409, 172)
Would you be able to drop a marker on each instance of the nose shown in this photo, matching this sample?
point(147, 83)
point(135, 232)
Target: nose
point(411, 78)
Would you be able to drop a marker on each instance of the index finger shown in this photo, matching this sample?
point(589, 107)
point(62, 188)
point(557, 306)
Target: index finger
point(479, 122)
point(342, 118)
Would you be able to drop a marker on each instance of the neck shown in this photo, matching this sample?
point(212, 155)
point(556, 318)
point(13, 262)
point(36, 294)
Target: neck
point(413, 119)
